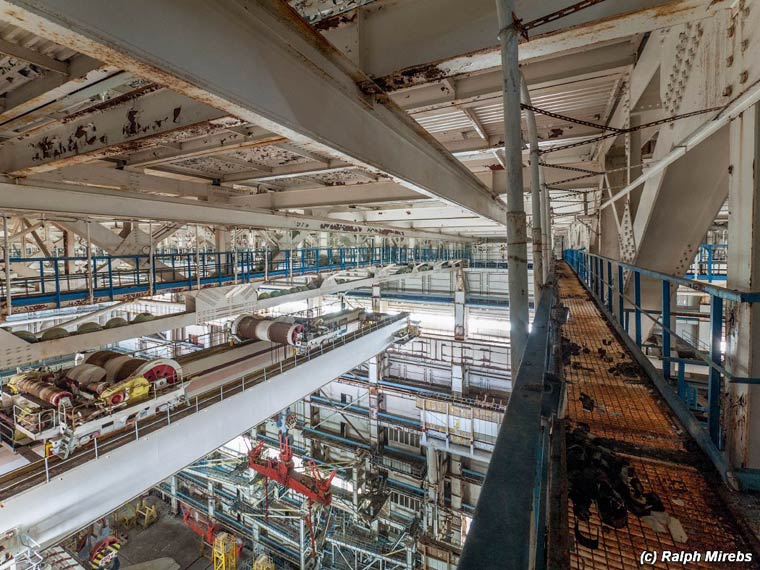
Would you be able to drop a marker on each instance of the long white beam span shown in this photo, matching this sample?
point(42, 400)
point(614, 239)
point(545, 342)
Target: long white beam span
point(51, 511)
point(259, 62)
point(64, 199)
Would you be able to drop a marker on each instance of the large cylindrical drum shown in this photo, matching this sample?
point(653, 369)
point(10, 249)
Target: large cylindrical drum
point(250, 327)
point(85, 374)
point(45, 392)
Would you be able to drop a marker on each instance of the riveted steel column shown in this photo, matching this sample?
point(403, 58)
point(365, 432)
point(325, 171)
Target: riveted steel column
point(7, 256)
point(535, 194)
point(517, 236)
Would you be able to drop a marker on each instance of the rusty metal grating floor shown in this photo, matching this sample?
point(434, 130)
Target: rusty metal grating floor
point(629, 414)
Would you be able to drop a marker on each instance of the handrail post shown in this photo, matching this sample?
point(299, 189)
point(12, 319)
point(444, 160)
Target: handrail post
point(56, 272)
point(609, 286)
point(713, 386)
point(637, 303)
point(621, 300)
point(666, 328)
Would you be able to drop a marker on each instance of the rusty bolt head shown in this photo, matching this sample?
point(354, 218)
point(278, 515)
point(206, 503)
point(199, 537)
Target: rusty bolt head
point(744, 76)
point(727, 91)
point(731, 30)
point(729, 61)
point(745, 45)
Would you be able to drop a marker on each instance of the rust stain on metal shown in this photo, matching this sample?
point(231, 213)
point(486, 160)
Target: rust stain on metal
point(335, 22)
point(113, 102)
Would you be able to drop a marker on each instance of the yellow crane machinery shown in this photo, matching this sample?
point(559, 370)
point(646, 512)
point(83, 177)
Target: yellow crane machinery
point(263, 562)
point(130, 390)
point(225, 551)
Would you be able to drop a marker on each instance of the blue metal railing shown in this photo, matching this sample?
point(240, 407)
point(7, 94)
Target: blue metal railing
point(617, 289)
point(710, 264)
point(61, 280)
point(515, 517)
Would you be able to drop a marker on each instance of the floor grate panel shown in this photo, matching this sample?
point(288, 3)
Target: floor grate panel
point(613, 399)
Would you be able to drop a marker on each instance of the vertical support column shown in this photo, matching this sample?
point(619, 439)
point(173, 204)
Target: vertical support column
point(637, 302)
point(7, 260)
point(609, 286)
point(741, 421)
point(234, 255)
point(517, 236)
point(90, 268)
point(460, 322)
point(376, 401)
point(266, 261)
point(376, 299)
point(69, 241)
point(666, 323)
point(173, 501)
point(621, 297)
point(197, 259)
point(535, 194)
point(713, 385)
point(211, 499)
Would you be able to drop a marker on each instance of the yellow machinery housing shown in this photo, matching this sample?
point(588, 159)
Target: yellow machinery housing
point(225, 551)
point(129, 390)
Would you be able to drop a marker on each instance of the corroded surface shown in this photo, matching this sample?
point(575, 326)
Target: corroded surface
point(636, 424)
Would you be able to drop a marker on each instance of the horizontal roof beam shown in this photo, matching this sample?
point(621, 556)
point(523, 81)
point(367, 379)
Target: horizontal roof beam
point(400, 42)
point(61, 199)
point(109, 129)
point(259, 62)
point(354, 194)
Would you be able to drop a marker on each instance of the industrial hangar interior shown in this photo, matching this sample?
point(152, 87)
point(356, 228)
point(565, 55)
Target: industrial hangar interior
point(379, 284)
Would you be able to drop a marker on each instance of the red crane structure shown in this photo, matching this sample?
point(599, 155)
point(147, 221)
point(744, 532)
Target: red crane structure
point(313, 486)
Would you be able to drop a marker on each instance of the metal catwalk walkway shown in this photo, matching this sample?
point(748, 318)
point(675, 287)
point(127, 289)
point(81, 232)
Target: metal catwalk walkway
point(613, 399)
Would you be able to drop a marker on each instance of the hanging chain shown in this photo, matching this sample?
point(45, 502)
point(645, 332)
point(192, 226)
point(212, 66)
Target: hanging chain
point(631, 130)
point(577, 7)
point(553, 115)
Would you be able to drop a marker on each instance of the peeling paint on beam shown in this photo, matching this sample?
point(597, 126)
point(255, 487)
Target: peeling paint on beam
point(261, 63)
point(136, 120)
point(555, 43)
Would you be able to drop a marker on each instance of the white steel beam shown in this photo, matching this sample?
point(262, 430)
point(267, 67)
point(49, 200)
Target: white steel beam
point(291, 171)
point(354, 194)
point(83, 72)
point(259, 62)
point(31, 56)
point(50, 512)
point(112, 128)
point(104, 176)
point(26, 196)
point(400, 42)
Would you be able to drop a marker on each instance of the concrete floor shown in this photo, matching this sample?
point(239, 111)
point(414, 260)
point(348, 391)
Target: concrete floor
point(167, 537)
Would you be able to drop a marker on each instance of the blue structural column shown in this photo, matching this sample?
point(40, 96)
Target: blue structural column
point(609, 286)
point(621, 297)
point(666, 329)
point(713, 385)
point(637, 303)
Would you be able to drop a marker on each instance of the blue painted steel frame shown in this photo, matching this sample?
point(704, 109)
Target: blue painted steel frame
point(683, 398)
point(216, 268)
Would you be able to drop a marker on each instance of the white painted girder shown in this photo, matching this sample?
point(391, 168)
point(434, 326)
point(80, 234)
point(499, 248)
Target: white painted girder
point(83, 72)
point(26, 196)
point(139, 120)
point(259, 62)
point(50, 512)
point(354, 194)
point(400, 42)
